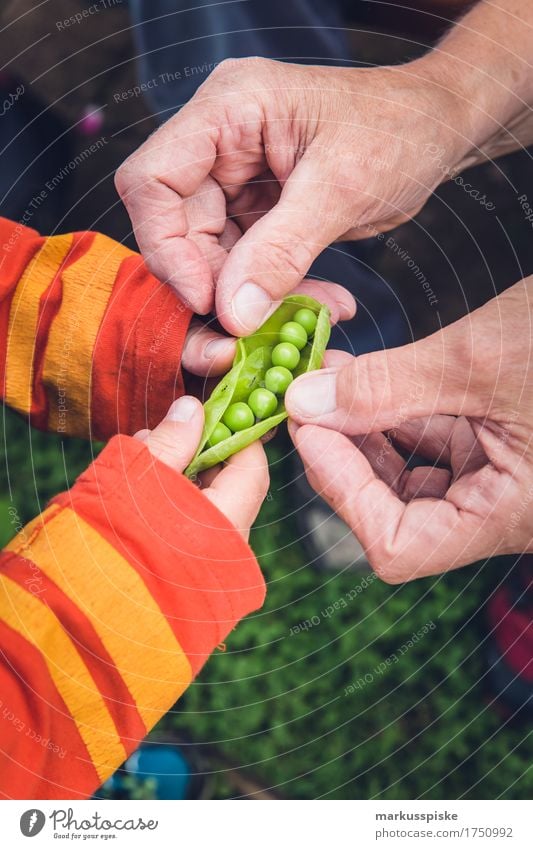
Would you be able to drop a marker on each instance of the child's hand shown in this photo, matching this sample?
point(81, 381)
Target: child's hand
point(238, 489)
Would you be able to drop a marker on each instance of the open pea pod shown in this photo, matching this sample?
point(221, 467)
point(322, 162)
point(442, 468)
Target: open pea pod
point(252, 361)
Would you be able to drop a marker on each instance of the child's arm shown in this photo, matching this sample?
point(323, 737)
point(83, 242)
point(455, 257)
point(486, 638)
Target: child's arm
point(111, 601)
point(92, 344)
point(90, 341)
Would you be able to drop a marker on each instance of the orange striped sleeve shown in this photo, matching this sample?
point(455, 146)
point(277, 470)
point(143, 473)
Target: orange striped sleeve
point(90, 341)
point(117, 593)
point(22, 328)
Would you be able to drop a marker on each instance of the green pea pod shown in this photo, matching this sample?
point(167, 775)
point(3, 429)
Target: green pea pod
point(252, 360)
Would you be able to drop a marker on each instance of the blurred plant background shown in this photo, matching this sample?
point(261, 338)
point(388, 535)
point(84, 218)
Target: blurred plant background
point(269, 710)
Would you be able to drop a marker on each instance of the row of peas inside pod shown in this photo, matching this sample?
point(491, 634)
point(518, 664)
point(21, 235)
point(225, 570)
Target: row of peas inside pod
point(248, 401)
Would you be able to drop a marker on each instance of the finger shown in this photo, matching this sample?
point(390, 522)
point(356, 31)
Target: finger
point(467, 454)
point(340, 302)
point(390, 467)
point(248, 203)
point(154, 183)
point(174, 441)
point(335, 359)
point(425, 482)
point(241, 487)
point(384, 460)
point(443, 439)
point(275, 253)
point(382, 390)
point(427, 436)
point(209, 228)
point(402, 542)
point(206, 352)
point(230, 235)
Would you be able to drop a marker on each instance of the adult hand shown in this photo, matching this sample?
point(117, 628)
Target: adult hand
point(462, 398)
point(207, 353)
point(233, 198)
point(238, 489)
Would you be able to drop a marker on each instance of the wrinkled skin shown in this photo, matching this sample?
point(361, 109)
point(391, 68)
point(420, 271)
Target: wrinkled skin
point(276, 161)
point(463, 399)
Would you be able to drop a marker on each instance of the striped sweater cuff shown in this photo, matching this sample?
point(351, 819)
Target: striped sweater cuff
point(90, 341)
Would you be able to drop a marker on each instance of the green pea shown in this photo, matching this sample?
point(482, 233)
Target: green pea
point(286, 354)
point(265, 364)
point(220, 433)
point(307, 319)
point(294, 333)
point(263, 403)
point(278, 379)
point(238, 417)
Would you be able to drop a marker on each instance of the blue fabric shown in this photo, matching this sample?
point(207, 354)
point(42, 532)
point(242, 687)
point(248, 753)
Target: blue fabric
point(178, 47)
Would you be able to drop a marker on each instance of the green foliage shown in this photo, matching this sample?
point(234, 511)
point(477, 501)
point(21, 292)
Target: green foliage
point(132, 787)
point(36, 467)
point(274, 700)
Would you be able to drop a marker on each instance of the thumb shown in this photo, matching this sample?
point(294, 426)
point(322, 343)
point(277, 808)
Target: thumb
point(174, 441)
point(380, 391)
point(275, 254)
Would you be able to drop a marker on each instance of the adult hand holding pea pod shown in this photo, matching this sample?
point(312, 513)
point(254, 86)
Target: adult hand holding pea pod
point(270, 162)
point(463, 399)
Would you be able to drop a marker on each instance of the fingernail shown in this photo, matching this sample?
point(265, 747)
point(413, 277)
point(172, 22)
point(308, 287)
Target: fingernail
point(347, 307)
point(217, 347)
point(182, 410)
point(251, 306)
point(313, 394)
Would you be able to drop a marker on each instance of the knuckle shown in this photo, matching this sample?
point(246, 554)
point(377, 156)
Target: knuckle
point(348, 385)
point(240, 75)
point(126, 175)
point(459, 363)
point(365, 380)
point(388, 561)
point(229, 64)
point(165, 444)
point(373, 382)
point(229, 69)
point(239, 64)
point(283, 262)
point(387, 570)
point(222, 70)
point(121, 178)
